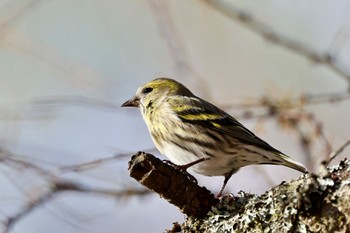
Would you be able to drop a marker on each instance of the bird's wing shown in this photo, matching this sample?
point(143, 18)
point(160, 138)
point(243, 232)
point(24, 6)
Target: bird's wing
point(200, 112)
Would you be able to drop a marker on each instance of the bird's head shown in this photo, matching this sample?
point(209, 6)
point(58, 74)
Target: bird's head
point(156, 91)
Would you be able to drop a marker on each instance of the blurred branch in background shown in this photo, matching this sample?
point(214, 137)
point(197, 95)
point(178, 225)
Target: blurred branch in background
point(177, 47)
point(13, 12)
point(97, 162)
point(55, 184)
point(76, 73)
point(328, 58)
point(59, 186)
point(292, 113)
point(335, 153)
point(45, 107)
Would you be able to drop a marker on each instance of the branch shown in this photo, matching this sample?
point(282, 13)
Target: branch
point(17, 12)
point(97, 162)
point(292, 114)
point(55, 184)
point(171, 184)
point(65, 186)
point(243, 17)
point(33, 204)
point(334, 154)
point(313, 203)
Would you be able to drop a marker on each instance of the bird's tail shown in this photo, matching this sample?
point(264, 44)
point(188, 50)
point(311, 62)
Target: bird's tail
point(288, 162)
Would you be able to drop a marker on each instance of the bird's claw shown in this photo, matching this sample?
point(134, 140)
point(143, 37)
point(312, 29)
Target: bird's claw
point(182, 169)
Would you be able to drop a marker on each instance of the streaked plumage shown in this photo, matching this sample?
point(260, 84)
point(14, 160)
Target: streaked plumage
point(186, 128)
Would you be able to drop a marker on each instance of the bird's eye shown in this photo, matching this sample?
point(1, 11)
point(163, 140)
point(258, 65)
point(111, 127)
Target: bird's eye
point(147, 90)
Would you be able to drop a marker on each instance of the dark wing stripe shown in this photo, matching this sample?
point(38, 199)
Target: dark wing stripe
point(197, 114)
point(194, 111)
point(203, 113)
point(182, 146)
point(217, 137)
point(233, 128)
point(196, 141)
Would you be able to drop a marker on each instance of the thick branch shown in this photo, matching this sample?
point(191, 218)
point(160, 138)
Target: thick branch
point(171, 184)
point(313, 203)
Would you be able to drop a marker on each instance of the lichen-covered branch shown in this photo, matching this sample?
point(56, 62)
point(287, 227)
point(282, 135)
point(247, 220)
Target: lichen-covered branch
point(313, 203)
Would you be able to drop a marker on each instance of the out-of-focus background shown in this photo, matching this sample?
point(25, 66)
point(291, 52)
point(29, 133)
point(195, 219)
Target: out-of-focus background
point(280, 67)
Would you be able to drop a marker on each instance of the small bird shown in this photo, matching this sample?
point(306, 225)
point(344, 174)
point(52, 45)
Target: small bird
point(197, 135)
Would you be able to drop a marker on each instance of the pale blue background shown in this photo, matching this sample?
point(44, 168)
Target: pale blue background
point(104, 50)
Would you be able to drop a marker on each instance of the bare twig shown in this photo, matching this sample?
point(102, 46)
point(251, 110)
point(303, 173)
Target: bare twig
point(45, 107)
point(334, 154)
point(11, 159)
point(13, 11)
point(64, 186)
point(324, 98)
point(59, 101)
point(91, 164)
point(97, 162)
point(291, 113)
point(326, 58)
point(56, 185)
point(305, 144)
point(297, 102)
point(33, 204)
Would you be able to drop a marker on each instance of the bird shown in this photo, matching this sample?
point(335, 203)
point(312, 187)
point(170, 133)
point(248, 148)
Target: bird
point(196, 135)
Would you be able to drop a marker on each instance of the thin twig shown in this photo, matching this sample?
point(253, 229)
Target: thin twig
point(64, 186)
point(305, 144)
point(97, 162)
point(59, 101)
point(91, 164)
point(334, 154)
point(55, 186)
point(33, 204)
point(13, 11)
point(13, 160)
point(324, 98)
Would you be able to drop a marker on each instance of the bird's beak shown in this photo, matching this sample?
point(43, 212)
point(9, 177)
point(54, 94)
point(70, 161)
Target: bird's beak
point(133, 102)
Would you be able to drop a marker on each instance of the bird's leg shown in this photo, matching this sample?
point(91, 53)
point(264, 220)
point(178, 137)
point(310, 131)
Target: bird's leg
point(227, 177)
point(183, 168)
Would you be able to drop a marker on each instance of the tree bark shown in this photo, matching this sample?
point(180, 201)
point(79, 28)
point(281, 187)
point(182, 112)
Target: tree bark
point(312, 203)
point(171, 184)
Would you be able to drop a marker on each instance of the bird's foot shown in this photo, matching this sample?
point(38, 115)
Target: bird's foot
point(227, 198)
point(183, 168)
